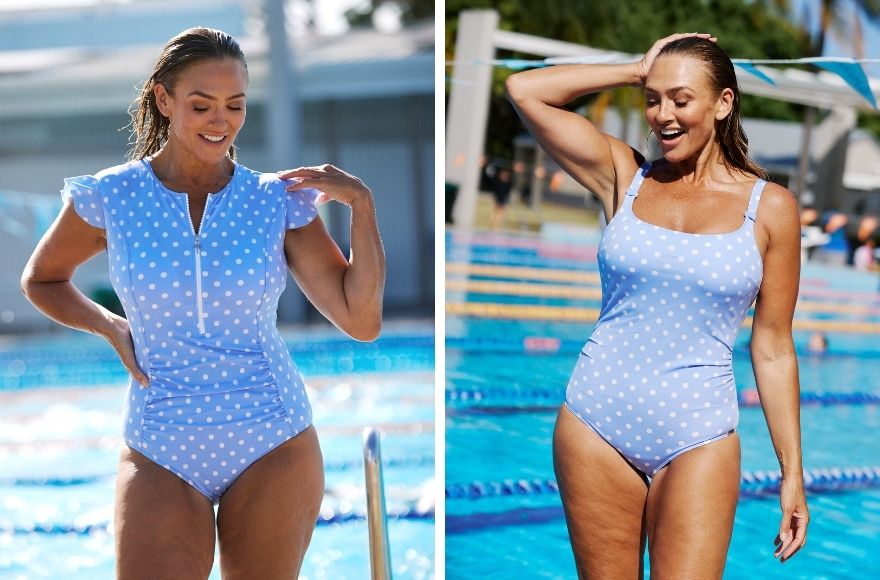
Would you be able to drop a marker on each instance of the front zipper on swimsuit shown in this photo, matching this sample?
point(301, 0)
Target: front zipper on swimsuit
point(197, 248)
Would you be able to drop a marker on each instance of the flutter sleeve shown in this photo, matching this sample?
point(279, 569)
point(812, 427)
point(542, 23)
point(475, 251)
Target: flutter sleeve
point(301, 208)
point(86, 198)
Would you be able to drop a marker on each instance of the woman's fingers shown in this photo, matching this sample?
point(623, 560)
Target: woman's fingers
point(123, 343)
point(312, 171)
point(792, 534)
point(798, 534)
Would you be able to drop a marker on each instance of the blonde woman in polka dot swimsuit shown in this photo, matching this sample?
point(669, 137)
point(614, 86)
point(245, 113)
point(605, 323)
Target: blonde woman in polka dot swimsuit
point(645, 447)
point(199, 247)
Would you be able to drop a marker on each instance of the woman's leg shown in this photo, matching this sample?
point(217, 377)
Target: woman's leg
point(604, 500)
point(691, 504)
point(164, 528)
point(267, 516)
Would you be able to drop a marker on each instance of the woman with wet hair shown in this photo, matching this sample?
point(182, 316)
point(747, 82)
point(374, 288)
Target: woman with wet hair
point(199, 247)
point(645, 446)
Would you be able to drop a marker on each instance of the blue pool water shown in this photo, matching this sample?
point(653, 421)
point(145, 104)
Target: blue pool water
point(518, 370)
point(60, 419)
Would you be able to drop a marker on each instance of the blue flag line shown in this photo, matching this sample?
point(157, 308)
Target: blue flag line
point(848, 69)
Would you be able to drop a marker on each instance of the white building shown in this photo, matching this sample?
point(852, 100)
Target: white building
point(366, 102)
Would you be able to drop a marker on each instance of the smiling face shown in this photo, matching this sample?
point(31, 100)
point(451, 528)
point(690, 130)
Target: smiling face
point(206, 108)
point(681, 106)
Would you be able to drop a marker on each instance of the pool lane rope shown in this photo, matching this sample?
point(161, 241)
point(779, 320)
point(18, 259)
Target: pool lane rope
point(752, 484)
point(324, 519)
point(551, 399)
point(336, 466)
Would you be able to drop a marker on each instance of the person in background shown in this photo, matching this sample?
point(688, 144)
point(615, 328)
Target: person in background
point(864, 258)
point(818, 343)
point(502, 183)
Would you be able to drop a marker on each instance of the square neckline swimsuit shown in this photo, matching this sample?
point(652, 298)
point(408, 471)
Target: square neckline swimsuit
point(202, 307)
point(655, 378)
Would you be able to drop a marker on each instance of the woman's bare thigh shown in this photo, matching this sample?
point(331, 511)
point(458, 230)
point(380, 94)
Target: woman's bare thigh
point(266, 518)
point(690, 510)
point(164, 528)
point(604, 501)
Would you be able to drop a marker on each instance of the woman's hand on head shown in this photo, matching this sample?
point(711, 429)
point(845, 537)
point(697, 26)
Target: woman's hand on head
point(644, 65)
point(332, 182)
point(795, 517)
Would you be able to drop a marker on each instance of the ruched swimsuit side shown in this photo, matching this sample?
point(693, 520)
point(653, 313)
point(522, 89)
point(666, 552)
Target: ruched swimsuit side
point(655, 378)
point(202, 305)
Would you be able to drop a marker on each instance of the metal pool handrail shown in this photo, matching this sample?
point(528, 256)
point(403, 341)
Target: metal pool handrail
point(377, 518)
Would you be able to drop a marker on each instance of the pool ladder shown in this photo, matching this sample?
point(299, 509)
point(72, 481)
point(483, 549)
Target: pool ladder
point(377, 518)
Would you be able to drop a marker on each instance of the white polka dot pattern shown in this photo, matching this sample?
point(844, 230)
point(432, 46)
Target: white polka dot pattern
point(202, 306)
point(655, 378)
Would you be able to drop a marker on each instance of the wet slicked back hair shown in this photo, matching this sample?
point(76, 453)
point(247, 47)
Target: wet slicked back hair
point(720, 75)
point(148, 126)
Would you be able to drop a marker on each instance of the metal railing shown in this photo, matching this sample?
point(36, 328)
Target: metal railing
point(377, 519)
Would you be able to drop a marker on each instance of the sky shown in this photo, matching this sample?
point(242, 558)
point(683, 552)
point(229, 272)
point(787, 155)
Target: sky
point(834, 46)
point(330, 14)
point(330, 20)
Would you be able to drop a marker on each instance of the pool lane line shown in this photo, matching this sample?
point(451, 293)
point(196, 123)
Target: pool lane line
point(507, 241)
point(595, 293)
point(324, 519)
point(756, 483)
point(536, 345)
point(497, 310)
point(522, 272)
point(331, 467)
point(522, 312)
point(523, 289)
point(549, 400)
point(592, 277)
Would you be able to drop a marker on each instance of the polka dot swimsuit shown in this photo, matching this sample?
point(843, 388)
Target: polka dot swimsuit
point(655, 378)
point(202, 304)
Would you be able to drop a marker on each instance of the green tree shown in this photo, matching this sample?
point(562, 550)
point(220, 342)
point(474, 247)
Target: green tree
point(758, 29)
point(410, 11)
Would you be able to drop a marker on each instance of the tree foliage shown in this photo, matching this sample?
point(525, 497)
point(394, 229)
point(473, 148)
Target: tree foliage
point(745, 29)
point(410, 11)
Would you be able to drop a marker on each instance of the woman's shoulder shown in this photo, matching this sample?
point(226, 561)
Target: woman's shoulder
point(253, 181)
point(777, 198)
point(123, 172)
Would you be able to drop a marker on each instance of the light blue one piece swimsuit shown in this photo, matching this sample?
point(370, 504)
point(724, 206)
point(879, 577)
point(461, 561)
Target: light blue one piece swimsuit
point(655, 378)
point(224, 390)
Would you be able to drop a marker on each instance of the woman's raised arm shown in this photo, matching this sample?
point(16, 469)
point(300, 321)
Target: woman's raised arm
point(349, 291)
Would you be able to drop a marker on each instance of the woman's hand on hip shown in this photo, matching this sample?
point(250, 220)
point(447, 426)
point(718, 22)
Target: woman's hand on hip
point(795, 517)
point(644, 65)
point(332, 182)
point(119, 337)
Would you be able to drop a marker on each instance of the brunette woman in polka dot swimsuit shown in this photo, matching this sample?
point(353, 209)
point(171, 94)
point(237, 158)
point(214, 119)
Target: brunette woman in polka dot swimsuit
point(199, 247)
point(645, 447)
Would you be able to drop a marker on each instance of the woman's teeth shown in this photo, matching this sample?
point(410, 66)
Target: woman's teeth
point(670, 134)
point(214, 139)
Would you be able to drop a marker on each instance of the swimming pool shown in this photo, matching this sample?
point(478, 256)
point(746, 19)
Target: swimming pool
point(518, 311)
point(60, 416)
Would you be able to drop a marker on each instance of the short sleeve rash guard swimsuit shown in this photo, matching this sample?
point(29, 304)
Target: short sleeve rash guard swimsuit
point(655, 378)
point(202, 305)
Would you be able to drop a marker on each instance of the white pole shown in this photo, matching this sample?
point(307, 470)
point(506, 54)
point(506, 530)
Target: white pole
point(469, 96)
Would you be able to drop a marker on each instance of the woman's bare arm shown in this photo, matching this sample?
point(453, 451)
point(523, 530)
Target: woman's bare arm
point(597, 161)
point(46, 282)
point(348, 292)
point(774, 359)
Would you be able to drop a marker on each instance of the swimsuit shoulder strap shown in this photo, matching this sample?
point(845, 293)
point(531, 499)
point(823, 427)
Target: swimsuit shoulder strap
point(638, 178)
point(755, 199)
